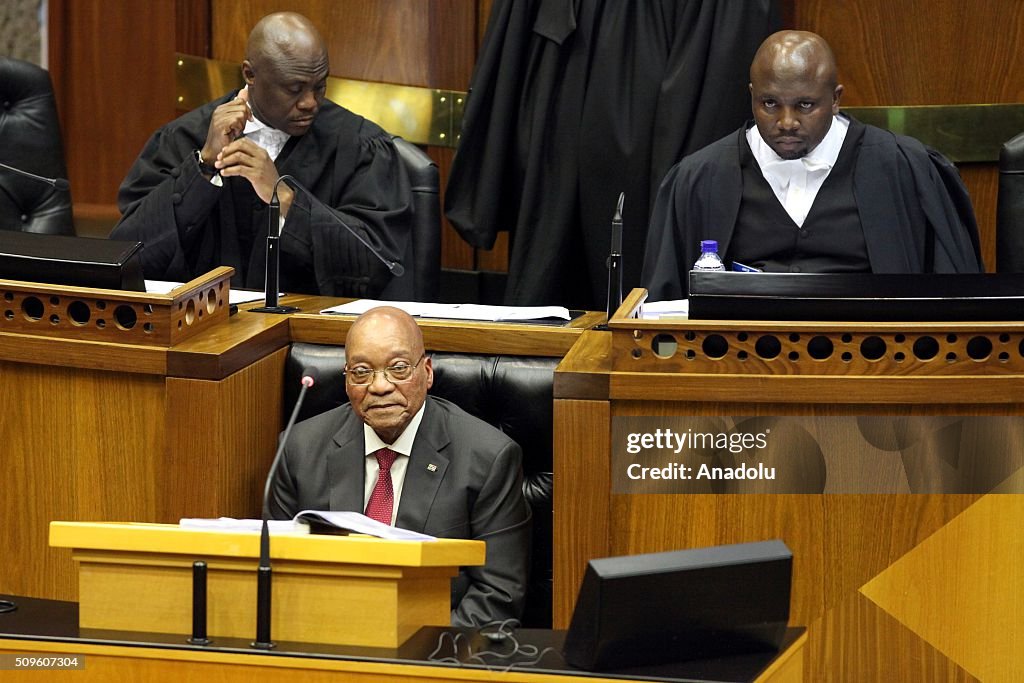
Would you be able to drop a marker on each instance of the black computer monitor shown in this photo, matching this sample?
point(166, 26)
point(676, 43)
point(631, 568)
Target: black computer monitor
point(642, 610)
point(937, 297)
point(74, 261)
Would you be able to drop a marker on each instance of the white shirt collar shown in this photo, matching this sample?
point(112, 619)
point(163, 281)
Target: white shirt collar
point(268, 138)
point(402, 445)
point(822, 158)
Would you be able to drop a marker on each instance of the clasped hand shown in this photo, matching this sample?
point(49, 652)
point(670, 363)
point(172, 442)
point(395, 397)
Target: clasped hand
point(233, 155)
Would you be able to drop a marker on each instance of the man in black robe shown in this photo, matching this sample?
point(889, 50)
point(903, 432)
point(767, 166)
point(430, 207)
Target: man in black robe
point(809, 189)
point(198, 194)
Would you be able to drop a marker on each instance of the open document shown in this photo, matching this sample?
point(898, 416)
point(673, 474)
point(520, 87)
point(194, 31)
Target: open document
point(310, 522)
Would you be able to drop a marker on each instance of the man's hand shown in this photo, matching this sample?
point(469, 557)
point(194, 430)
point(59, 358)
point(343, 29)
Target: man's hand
point(247, 159)
point(226, 124)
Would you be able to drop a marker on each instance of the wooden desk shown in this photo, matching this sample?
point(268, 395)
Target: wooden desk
point(460, 335)
point(48, 627)
point(892, 586)
point(101, 430)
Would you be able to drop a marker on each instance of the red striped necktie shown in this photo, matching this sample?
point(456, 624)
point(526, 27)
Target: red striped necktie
point(382, 499)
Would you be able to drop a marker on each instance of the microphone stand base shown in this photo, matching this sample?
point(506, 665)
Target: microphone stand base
point(274, 309)
point(262, 646)
point(199, 641)
point(7, 606)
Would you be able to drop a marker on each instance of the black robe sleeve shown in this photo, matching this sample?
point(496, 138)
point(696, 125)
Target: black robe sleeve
point(165, 201)
point(373, 202)
point(699, 199)
point(915, 211)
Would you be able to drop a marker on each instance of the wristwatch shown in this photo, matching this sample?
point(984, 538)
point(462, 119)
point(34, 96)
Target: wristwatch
point(205, 168)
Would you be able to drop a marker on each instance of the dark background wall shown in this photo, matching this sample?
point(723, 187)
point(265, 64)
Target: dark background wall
point(113, 67)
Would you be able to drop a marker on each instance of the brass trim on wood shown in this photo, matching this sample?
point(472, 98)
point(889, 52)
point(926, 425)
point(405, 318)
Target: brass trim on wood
point(425, 116)
point(963, 132)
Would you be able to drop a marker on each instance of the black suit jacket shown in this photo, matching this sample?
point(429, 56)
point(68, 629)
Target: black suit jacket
point(475, 491)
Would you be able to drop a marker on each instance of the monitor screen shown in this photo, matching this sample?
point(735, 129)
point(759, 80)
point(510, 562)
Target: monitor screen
point(641, 610)
point(74, 261)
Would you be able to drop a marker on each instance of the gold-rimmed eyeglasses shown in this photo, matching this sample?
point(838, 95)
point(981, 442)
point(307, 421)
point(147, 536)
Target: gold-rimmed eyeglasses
point(399, 373)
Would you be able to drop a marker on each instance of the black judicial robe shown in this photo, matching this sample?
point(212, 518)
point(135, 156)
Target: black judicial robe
point(574, 101)
point(914, 210)
point(189, 226)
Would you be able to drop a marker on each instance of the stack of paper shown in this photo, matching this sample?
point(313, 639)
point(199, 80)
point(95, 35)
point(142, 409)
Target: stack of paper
point(477, 312)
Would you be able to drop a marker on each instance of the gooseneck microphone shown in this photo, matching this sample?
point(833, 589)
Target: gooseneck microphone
point(56, 183)
point(264, 574)
point(272, 280)
point(394, 267)
point(615, 264)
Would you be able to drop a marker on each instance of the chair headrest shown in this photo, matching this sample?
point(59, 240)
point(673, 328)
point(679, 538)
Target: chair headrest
point(1011, 156)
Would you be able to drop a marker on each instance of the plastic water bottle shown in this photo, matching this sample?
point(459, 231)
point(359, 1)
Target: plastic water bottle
point(709, 259)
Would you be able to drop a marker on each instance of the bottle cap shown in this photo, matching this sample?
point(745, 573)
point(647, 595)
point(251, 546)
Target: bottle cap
point(708, 246)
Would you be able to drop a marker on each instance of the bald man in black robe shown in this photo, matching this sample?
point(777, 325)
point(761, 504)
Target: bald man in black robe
point(808, 189)
point(198, 195)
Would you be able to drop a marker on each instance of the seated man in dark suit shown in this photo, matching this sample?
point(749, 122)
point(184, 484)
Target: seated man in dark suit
point(808, 189)
point(416, 462)
point(198, 194)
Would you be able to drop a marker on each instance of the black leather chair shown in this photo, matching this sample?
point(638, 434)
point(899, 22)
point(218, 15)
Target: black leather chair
point(1010, 208)
point(424, 252)
point(30, 140)
point(513, 393)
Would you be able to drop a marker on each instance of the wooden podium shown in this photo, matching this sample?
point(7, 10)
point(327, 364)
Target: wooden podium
point(338, 590)
point(893, 585)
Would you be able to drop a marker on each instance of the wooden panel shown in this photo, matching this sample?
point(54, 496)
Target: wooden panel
point(891, 653)
point(939, 575)
point(225, 432)
point(397, 41)
point(971, 612)
point(581, 497)
point(192, 27)
point(921, 51)
point(97, 47)
point(77, 445)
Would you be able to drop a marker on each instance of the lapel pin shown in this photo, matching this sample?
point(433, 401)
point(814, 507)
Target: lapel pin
point(432, 467)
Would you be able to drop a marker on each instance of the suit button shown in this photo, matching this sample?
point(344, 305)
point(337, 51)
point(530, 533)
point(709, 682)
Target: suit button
point(24, 218)
point(7, 105)
point(804, 233)
point(175, 172)
point(176, 198)
point(794, 269)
